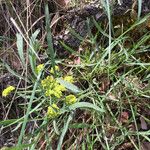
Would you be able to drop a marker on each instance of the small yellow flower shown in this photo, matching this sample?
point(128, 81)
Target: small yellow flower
point(53, 111)
point(58, 90)
point(70, 99)
point(49, 92)
point(39, 68)
point(55, 106)
point(52, 87)
point(57, 93)
point(56, 69)
point(47, 81)
point(69, 79)
point(7, 91)
point(59, 87)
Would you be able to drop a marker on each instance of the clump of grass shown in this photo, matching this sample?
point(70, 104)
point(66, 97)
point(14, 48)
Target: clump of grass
point(95, 104)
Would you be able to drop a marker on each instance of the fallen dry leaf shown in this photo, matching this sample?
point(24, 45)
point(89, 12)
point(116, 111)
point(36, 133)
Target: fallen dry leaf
point(112, 97)
point(77, 61)
point(126, 146)
point(104, 85)
point(143, 123)
point(124, 117)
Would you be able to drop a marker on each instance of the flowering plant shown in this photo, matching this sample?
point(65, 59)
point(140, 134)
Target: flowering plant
point(56, 92)
point(7, 91)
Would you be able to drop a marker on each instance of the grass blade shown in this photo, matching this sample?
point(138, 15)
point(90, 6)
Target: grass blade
point(28, 111)
point(50, 50)
point(66, 126)
point(139, 8)
point(32, 56)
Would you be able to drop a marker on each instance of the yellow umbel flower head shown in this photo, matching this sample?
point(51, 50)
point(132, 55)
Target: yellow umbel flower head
point(7, 91)
point(56, 69)
point(69, 79)
point(52, 87)
point(53, 111)
point(58, 89)
point(70, 99)
point(47, 82)
point(39, 68)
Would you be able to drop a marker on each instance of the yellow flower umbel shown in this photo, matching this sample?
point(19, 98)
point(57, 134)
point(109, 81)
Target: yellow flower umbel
point(47, 82)
point(52, 87)
point(7, 91)
point(39, 68)
point(70, 99)
point(56, 69)
point(53, 111)
point(69, 79)
point(58, 89)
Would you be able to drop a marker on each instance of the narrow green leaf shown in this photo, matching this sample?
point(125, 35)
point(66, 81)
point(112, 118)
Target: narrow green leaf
point(148, 76)
point(66, 126)
point(7, 122)
point(69, 86)
point(97, 25)
point(77, 35)
point(139, 8)
point(32, 56)
point(28, 110)
point(21, 147)
point(50, 50)
point(85, 105)
point(34, 36)
point(20, 47)
point(66, 47)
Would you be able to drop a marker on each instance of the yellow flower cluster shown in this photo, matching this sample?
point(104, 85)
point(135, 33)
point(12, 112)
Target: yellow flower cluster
point(56, 69)
point(69, 79)
point(39, 68)
point(7, 91)
point(70, 99)
point(52, 87)
point(53, 111)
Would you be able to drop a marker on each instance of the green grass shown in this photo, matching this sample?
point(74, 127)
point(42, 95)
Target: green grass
point(111, 86)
